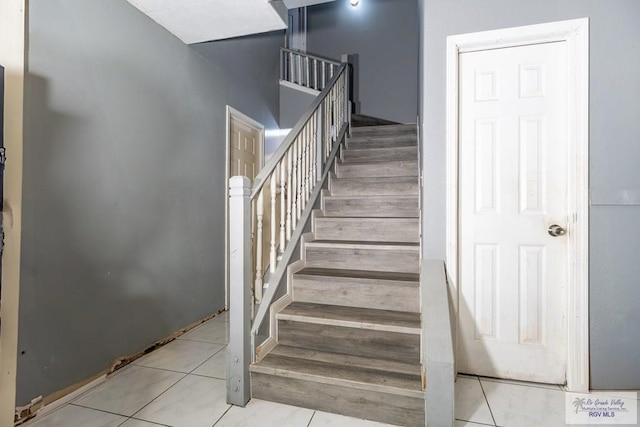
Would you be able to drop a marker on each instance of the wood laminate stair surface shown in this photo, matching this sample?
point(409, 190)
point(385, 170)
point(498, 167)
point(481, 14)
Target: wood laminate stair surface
point(388, 186)
point(349, 343)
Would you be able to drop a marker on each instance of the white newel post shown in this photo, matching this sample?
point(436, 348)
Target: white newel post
point(240, 276)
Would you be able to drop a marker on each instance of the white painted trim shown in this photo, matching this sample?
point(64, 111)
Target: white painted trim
point(265, 348)
point(233, 113)
point(14, 31)
point(576, 34)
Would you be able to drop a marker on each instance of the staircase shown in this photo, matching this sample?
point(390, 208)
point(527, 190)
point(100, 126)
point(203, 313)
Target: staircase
point(349, 343)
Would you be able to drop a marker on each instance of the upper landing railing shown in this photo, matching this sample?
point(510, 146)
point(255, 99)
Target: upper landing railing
point(306, 70)
point(267, 218)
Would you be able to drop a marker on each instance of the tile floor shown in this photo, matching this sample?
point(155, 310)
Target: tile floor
point(183, 385)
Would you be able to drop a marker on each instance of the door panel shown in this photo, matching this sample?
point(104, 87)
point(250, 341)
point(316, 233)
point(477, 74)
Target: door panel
point(245, 142)
point(513, 186)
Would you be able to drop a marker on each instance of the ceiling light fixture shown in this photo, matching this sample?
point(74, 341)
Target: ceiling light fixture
point(354, 3)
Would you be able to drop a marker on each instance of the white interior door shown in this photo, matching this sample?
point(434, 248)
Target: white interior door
point(513, 185)
point(244, 149)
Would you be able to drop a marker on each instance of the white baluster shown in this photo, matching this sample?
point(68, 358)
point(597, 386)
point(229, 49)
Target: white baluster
point(305, 181)
point(291, 78)
point(315, 74)
point(326, 135)
point(299, 177)
point(343, 95)
point(308, 150)
point(283, 208)
point(314, 148)
point(324, 74)
point(294, 199)
point(306, 69)
point(334, 118)
point(259, 216)
point(338, 105)
point(289, 194)
point(273, 221)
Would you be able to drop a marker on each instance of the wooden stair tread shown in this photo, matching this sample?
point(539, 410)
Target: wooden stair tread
point(375, 197)
point(384, 179)
point(374, 162)
point(364, 245)
point(348, 360)
point(361, 218)
point(332, 373)
point(359, 274)
point(397, 129)
point(359, 317)
point(383, 149)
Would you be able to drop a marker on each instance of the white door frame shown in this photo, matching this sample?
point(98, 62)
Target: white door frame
point(576, 34)
point(14, 33)
point(235, 114)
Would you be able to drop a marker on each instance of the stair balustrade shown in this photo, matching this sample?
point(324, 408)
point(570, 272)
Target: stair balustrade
point(306, 70)
point(280, 200)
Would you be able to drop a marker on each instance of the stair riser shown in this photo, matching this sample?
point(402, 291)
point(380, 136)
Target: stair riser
point(382, 142)
point(372, 187)
point(387, 345)
point(364, 293)
point(374, 406)
point(381, 154)
point(383, 130)
point(393, 260)
point(367, 229)
point(392, 207)
point(383, 169)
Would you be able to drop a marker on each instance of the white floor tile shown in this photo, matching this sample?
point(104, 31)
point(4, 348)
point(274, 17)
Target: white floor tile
point(129, 390)
point(325, 419)
point(520, 406)
point(139, 423)
point(193, 402)
point(467, 376)
point(76, 416)
point(213, 331)
point(180, 355)
point(523, 383)
point(470, 403)
point(265, 414)
point(215, 366)
point(458, 423)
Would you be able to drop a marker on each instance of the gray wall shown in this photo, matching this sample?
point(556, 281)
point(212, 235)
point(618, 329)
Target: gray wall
point(293, 104)
point(384, 35)
point(124, 179)
point(614, 154)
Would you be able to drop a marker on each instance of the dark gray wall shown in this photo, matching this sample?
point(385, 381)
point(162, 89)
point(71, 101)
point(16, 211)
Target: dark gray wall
point(614, 154)
point(384, 35)
point(124, 180)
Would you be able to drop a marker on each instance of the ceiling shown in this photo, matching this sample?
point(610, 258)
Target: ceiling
point(195, 21)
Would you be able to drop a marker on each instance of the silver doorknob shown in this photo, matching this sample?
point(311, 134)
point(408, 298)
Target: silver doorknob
point(555, 230)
